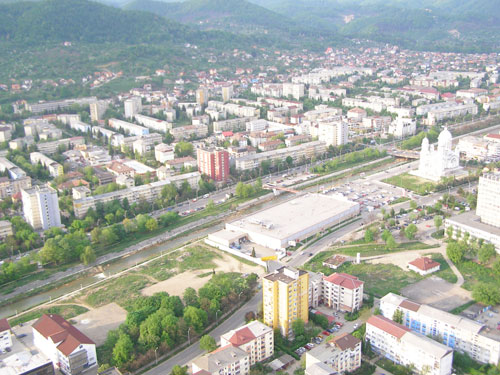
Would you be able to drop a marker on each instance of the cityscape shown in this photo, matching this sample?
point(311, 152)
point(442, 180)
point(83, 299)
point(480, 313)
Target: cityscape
point(212, 187)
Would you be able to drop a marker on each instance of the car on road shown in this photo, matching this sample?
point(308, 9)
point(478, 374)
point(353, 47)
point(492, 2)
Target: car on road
point(356, 326)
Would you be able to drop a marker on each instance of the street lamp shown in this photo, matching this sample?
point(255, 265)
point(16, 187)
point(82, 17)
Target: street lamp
point(189, 337)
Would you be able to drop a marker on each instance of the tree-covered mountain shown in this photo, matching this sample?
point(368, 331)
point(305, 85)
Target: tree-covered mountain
point(238, 16)
point(454, 25)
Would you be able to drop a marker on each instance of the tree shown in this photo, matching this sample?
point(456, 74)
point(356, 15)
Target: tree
point(184, 149)
point(385, 235)
point(208, 343)
point(455, 251)
point(413, 205)
point(151, 225)
point(122, 351)
point(496, 268)
point(449, 232)
point(298, 327)
point(486, 293)
point(195, 317)
point(190, 297)
point(391, 243)
point(398, 316)
point(438, 221)
point(88, 256)
point(368, 235)
point(410, 231)
point(178, 370)
point(210, 205)
point(486, 252)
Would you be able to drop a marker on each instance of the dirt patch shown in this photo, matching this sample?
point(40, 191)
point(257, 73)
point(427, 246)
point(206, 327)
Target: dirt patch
point(176, 285)
point(438, 293)
point(98, 322)
point(400, 259)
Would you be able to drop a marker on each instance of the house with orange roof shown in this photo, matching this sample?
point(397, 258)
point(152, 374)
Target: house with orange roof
point(424, 266)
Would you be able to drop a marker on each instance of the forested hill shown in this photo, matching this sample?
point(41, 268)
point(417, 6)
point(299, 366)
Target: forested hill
point(35, 23)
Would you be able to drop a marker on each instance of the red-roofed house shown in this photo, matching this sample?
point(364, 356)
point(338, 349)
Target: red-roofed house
point(69, 349)
point(5, 335)
point(424, 266)
point(343, 292)
point(255, 338)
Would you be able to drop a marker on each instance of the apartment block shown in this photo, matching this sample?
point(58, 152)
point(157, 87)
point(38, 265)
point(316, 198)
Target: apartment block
point(255, 338)
point(434, 116)
point(402, 127)
point(227, 360)
point(214, 163)
point(9, 187)
point(285, 298)
point(149, 193)
point(153, 123)
point(97, 110)
point(164, 152)
point(146, 143)
point(190, 131)
point(54, 146)
point(488, 199)
point(5, 335)
point(60, 104)
point(13, 170)
point(55, 169)
point(70, 350)
point(298, 153)
point(315, 288)
point(342, 292)
point(41, 207)
point(455, 331)
point(333, 133)
point(295, 90)
point(132, 106)
point(127, 128)
point(5, 229)
point(343, 353)
point(236, 124)
point(400, 345)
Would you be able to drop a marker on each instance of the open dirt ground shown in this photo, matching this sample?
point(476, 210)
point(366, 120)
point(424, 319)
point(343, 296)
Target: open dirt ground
point(176, 285)
point(96, 323)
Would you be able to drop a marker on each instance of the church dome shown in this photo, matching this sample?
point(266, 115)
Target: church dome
point(444, 138)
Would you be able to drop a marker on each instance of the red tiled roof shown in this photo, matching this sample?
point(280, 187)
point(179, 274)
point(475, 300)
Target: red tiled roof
point(497, 136)
point(59, 330)
point(409, 305)
point(242, 336)
point(387, 325)
point(344, 280)
point(4, 325)
point(345, 341)
point(424, 263)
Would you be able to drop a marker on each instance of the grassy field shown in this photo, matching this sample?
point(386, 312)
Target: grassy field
point(120, 290)
point(399, 200)
point(445, 271)
point(474, 273)
point(410, 182)
point(372, 249)
point(66, 311)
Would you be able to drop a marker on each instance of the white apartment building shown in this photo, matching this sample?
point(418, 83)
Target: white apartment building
point(426, 108)
point(488, 199)
point(127, 127)
point(79, 126)
point(296, 90)
point(342, 354)
point(298, 153)
point(164, 152)
point(97, 110)
point(55, 169)
point(377, 122)
point(146, 143)
point(227, 93)
point(226, 360)
point(132, 106)
point(315, 288)
point(342, 292)
point(402, 127)
point(14, 171)
point(400, 345)
point(115, 139)
point(237, 124)
point(235, 109)
point(360, 103)
point(333, 133)
point(149, 193)
point(41, 207)
point(457, 332)
point(434, 116)
point(5, 228)
point(153, 123)
point(255, 338)
point(476, 148)
point(70, 350)
point(54, 146)
point(401, 111)
point(190, 131)
point(322, 112)
point(5, 335)
point(9, 187)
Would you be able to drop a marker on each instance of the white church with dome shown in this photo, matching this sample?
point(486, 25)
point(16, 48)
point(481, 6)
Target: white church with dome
point(440, 162)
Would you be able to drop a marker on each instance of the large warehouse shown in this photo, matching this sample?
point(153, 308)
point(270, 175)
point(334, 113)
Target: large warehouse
point(281, 226)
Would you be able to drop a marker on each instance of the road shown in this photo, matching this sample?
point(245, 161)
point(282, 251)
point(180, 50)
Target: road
point(187, 355)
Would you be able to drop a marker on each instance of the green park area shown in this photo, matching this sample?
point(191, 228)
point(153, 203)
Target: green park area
point(416, 184)
point(66, 311)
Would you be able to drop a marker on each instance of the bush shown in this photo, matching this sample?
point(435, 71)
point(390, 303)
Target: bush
point(350, 316)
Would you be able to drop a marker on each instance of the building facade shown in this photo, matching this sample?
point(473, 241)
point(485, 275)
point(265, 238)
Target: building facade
point(226, 360)
point(214, 163)
point(342, 354)
point(41, 207)
point(488, 199)
point(342, 292)
point(285, 298)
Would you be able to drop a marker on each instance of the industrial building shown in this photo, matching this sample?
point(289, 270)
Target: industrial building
point(278, 227)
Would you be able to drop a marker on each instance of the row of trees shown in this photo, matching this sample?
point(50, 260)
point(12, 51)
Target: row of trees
point(248, 190)
point(23, 239)
point(349, 159)
point(161, 322)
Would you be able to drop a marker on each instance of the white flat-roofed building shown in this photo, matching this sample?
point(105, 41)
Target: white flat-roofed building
point(342, 292)
point(377, 122)
point(41, 207)
point(5, 230)
point(6, 335)
point(146, 143)
point(236, 124)
point(455, 331)
point(54, 146)
point(115, 139)
point(315, 288)
point(164, 152)
point(471, 223)
point(153, 123)
point(226, 360)
point(149, 193)
point(434, 116)
point(127, 127)
point(132, 106)
point(296, 90)
point(343, 353)
point(333, 133)
point(488, 199)
point(14, 171)
point(55, 169)
point(402, 127)
point(400, 345)
point(190, 131)
point(298, 153)
point(279, 226)
point(255, 338)
point(79, 126)
point(426, 108)
point(26, 363)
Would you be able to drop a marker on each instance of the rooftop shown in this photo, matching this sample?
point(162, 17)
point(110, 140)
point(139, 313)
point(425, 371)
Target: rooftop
point(387, 325)
point(285, 275)
point(345, 341)
point(344, 280)
point(424, 263)
point(470, 219)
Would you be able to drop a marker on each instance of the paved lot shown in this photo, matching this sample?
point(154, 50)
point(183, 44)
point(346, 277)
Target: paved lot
point(436, 292)
point(98, 322)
